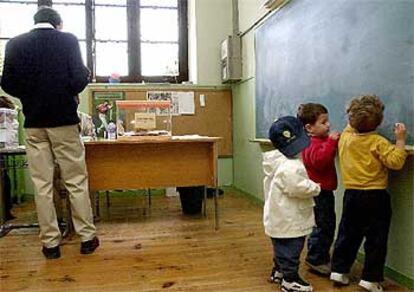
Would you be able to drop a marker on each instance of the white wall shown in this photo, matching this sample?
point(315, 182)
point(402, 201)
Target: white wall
point(249, 12)
point(210, 22)
point(192, 42)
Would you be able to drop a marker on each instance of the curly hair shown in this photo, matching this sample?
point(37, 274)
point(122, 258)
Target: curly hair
point(6, 102)
point(365, 113)
point(308, 113)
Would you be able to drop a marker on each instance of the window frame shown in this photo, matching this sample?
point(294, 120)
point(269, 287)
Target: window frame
point(133, 42)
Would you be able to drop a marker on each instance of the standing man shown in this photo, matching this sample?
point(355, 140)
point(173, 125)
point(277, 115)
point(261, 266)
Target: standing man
point(44, 69)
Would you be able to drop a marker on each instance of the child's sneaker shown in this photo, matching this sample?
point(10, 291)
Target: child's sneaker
point(275, 276)
point(297, 285)
point(324, 269)
point(341, 279)
point(370, 286)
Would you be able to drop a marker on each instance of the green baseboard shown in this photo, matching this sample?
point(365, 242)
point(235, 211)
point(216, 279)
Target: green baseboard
point(392, 274)
point(249, 196)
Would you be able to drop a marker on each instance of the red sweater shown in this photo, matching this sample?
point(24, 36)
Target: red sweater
point(319, 160)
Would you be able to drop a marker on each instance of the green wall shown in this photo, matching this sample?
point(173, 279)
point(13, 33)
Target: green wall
point(401, 241)
point(248, 171)
point(247, 156)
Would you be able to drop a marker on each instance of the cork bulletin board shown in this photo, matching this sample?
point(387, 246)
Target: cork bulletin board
point(214, 119)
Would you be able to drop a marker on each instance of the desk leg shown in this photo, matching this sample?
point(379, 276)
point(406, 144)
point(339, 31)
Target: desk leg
point(216, 209)
point(94, 197)
point(15, 187)
point(205, 202)
point(2, 194)
point(149, 195)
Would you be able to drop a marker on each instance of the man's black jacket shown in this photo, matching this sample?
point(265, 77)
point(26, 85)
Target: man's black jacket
point(44, 69)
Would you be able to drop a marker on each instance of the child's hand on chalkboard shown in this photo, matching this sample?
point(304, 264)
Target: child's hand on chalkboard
point(334, 135)
point(399, 131)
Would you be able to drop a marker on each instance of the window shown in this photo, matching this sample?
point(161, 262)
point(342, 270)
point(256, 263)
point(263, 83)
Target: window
point(9, 27)
point(111, 37)
point(142, 40)
point(74, 20)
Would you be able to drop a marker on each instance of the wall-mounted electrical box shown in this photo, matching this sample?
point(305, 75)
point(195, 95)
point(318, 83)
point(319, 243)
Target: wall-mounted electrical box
point(231, 69)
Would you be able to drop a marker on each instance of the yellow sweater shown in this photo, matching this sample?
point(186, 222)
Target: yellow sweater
point(365, 159)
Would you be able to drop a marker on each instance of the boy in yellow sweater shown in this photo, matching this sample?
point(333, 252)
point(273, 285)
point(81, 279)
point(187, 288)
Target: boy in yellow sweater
point(365, 158)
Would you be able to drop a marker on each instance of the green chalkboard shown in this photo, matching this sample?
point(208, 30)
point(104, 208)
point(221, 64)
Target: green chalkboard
point(329, 51)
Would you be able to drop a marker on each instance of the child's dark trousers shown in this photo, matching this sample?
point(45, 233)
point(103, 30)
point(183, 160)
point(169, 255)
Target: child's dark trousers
point(322, 236)
point(286, 256)
point(366, 214)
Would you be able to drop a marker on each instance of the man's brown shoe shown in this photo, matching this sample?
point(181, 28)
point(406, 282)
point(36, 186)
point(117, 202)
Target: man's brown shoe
point(89, 246)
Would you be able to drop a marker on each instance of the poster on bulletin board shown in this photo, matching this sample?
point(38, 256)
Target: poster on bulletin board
point(182, 102)
point(104, 110)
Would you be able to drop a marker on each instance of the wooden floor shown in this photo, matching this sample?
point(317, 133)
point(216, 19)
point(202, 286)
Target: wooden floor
point(153, 251)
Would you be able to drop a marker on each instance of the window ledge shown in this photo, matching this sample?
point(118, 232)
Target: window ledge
point(152, 86)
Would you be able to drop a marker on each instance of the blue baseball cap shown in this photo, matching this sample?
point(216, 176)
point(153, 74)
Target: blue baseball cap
point(288, 136)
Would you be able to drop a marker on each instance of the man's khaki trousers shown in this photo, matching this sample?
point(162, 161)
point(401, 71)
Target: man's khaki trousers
point(44, 146)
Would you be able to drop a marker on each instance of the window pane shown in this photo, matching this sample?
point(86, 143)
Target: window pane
point(111, 58)
point(111, 23)
point(159, 24)
point(16, 19)
point(118, 2)
point(2, 48)
point(82, 46)
point(15, 0)
point(168, 3)
point(73, 18)
point(67, 1)
point(159, 59)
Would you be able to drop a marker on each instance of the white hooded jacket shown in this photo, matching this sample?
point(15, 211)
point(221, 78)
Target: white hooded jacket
point(288, 191)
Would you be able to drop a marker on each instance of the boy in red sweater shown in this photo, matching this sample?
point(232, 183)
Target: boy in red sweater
point(319, 160)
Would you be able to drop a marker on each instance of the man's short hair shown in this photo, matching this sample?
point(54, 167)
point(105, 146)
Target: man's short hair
point(49, 15)
point(308, 113)
point(365, 113)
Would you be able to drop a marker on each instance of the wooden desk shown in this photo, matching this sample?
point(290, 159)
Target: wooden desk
point(152, 163)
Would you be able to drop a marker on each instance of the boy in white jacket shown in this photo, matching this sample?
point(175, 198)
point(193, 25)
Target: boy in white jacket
point(288, 211)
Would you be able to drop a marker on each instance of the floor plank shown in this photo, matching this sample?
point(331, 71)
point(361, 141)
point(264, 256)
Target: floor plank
point(154, 249)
